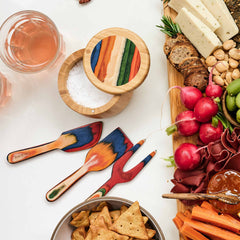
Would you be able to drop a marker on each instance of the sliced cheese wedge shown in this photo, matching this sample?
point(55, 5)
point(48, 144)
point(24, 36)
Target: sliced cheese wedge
point(199, 34)
point(197, 8)
point(219, 10)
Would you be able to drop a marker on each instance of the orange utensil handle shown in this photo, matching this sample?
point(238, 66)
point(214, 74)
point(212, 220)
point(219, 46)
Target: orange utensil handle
point(54, 193)
point(20, 155)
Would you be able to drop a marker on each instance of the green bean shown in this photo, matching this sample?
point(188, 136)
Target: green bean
point(234, 87)
point(238, 116)
point(231, 103)
point(238, 100)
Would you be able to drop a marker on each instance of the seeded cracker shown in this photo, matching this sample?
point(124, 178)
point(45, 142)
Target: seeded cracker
point(131, 223)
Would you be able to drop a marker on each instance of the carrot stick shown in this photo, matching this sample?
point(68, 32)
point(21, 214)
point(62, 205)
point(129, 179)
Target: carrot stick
point(133, 65)
point(211, 230)
point(181, 216)
point(192, 233)
point(187, 213)
point(103, 70)
point(179, 223)
point(208, 205)
point(101, 55)
point(210, 216)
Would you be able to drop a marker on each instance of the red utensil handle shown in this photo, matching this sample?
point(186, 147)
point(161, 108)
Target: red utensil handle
point(104, 189)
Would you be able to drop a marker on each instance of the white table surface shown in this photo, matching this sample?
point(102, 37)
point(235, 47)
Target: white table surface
point(36, 114)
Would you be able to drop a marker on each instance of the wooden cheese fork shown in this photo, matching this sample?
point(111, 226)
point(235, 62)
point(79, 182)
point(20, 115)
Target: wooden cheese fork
point(223, 197)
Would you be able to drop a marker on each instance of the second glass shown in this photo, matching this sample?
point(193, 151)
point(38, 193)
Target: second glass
point(29, 41)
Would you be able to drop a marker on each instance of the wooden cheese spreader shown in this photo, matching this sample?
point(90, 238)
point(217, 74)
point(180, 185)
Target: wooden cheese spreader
point(73, 140)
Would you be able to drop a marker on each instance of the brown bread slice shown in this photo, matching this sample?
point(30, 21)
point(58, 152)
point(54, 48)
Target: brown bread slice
point(180, 52)
point(170, 42)
point(189, 62)
point(197, 80)
point(195, 69)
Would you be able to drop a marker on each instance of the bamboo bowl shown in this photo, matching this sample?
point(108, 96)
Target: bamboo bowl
point(116, 104)
point(226, 113)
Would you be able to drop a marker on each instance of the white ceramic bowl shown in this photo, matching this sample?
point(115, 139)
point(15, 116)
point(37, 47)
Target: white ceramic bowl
point(64, 230)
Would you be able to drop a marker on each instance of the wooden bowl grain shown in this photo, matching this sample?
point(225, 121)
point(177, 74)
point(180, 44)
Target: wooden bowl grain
point(226, 113)
point(116, 104)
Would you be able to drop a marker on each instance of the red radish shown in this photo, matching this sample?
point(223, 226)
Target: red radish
point(189, 96)
point(213, 90)
point(208, 133)
point(186, 124)
point(187, 157)
point(205, 109)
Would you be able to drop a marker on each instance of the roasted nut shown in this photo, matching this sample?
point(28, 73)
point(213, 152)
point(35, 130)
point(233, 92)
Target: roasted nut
point(235, 74)
point(226, 58)
point(218, 80)
point(222, 66)
point(210, 61)
point(229, 77)
point(234, 53)
point(233, 63)
point(215, 71)
point(223, 75)
point(228, 45)
point(219, 54)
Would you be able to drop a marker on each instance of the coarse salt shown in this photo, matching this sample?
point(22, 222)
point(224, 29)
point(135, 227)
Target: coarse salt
point(82, 91)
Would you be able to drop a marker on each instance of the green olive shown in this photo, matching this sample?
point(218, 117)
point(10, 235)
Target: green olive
point(238, 100)
point(231, 103)
point(238, 116)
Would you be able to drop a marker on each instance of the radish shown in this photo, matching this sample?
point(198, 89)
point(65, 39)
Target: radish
point(208, 133)
point(213, 90)
point(186, 124)
point(205, 109)
point(187, 157)
point(189, 96)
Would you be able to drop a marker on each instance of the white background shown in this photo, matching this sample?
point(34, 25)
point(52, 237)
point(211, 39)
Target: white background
point(36, 114)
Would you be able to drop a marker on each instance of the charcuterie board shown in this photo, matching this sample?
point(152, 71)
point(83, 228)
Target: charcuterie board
point(175, 78)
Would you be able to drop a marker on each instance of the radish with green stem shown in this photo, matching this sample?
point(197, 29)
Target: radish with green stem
point(213, 90)
point(205, 109)
point(186, 124)
point(209, 133)
point(189, 96)
point(187, 157)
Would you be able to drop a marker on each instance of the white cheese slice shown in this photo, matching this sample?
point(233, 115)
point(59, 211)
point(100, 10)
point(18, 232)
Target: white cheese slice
point(199, 34)
point(197, 8)
point(219, 10)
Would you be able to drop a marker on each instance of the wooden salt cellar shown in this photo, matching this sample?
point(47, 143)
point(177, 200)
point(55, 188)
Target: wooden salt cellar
point(121, 94)
point(114, 106)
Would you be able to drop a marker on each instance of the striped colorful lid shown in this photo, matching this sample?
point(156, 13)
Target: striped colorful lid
point(116, 60)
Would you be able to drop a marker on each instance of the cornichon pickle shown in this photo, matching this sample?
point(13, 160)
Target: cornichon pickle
point(231, 103)
point(234, 87)
point(238, 116)
point(238, 100)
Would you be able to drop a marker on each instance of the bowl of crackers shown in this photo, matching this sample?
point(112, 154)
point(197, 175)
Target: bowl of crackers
point(108, 218)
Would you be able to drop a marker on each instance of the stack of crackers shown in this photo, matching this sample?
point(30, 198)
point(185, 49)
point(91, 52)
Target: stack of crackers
point(103, 224)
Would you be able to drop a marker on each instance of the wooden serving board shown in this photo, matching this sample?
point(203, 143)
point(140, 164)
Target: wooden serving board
point(175, 78)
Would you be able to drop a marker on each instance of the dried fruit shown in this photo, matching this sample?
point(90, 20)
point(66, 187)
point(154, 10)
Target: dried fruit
point(84, 1)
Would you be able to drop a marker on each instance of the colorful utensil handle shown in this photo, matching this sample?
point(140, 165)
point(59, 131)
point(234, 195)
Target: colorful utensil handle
point(57, 191)
point(103, 190)
point(20, 155)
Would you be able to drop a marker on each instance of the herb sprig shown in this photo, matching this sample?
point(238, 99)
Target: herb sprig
point(169, 27)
